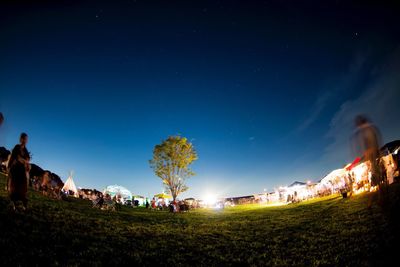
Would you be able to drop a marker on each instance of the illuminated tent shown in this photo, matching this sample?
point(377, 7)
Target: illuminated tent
point(141, 199)
point(333, 181)
point(117, 190)
point(353, 164)
point(70, 186)
point(297, 184)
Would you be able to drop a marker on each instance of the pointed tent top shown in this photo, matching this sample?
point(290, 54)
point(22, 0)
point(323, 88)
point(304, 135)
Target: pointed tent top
point(70, 185)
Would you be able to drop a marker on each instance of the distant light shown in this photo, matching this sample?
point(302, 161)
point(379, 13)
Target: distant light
point(210, 199)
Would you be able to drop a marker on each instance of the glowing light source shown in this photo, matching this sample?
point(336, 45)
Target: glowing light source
point(210, 199)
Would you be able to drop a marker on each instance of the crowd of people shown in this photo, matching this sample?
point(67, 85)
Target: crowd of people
point(173, 206)
point(21, 175)
point(366, 143)
point(107, 202)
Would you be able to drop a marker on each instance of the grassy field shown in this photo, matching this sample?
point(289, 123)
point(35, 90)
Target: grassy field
point(328, 231)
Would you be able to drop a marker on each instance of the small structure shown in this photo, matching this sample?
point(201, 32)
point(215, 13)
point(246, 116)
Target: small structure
point(332, 183)
point(250, 199)
point(391, 147)
point(120, 192)
point(69, 186)
point(141, 200)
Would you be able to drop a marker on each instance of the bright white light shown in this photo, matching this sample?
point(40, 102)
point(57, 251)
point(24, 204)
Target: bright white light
point(210, 199)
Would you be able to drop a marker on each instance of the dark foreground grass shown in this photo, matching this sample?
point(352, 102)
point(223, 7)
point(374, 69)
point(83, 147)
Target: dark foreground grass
point(330, 231)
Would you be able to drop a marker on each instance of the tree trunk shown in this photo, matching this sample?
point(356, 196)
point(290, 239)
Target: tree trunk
point(173, 193)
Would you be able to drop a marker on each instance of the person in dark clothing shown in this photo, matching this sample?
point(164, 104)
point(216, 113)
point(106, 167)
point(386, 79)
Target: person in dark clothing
point(18, 173)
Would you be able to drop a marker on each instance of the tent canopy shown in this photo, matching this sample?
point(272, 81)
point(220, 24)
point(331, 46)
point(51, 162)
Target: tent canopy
point(162, 195)
point(114, 190)
point(391, 146)
point(333, 176)
point(296, 183)
point(353, 164)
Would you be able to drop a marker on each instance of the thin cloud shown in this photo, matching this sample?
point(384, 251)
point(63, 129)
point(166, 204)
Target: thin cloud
point(318, 107)
point(343, 83)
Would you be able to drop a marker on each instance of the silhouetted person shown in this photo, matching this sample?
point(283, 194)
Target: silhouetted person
point(367, 143)
point(4, 153)
point(18, 170)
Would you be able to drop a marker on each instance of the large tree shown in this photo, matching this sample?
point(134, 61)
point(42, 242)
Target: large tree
point(171, 162)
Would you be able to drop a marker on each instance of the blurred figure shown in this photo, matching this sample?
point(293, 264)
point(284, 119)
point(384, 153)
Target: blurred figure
point(350, 182)
point(153, 204)
point(1, 118)
point(18, 169)
point(367, 142)
point(46, 181)
point(390, 169)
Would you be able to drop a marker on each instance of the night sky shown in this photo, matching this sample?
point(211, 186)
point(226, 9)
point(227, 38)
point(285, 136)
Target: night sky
point(266, 91)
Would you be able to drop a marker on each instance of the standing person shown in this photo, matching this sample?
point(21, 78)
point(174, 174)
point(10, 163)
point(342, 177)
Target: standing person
point(367, 143)
point(351, 182)
point(18, 168)
point(4, 153)
point(46, 181)
point(153, 204)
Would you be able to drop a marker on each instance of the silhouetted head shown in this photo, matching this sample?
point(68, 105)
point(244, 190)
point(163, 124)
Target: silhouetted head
point(1, 118)
point(23, 139)
point(361, 120)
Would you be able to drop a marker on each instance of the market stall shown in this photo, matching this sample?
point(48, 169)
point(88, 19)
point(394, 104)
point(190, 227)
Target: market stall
point(120, 193)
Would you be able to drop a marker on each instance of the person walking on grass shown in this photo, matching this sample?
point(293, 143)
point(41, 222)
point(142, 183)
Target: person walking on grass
point(367, 142)
point(18, 173)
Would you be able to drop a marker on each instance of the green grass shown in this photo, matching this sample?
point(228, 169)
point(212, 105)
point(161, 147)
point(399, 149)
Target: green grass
point(327, 231)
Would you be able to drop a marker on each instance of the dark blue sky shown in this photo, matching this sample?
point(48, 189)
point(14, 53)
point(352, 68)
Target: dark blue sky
point(265, 91)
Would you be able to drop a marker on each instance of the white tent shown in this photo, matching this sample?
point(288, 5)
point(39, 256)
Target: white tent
point(70, 186)
point(333, 181)
point(117, 190)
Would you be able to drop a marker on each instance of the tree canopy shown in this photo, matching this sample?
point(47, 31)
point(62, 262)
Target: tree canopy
point(171, 162)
